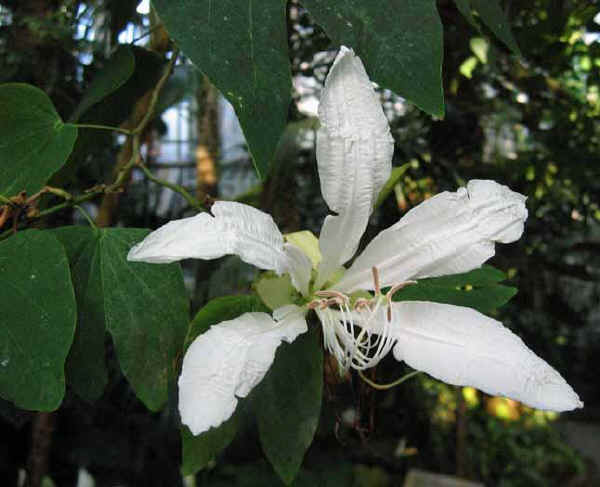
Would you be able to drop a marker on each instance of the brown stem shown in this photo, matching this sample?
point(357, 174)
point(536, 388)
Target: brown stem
point(461, 434)
point(41, 439)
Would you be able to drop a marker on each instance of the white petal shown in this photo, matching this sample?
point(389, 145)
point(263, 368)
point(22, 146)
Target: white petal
point(463, 347)
point(447, 234)
point(234, 229)
point(227, 361)
point(291, 322)
point(354, 153)
point(299, 267)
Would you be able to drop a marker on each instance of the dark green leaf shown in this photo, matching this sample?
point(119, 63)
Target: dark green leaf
point(146, 308)
point(143, 306)
point(288, 403)
point(37, 322)
point(477, 289)
point(198, 451)
point(493, 16)
point(222, 309)
point(399, 41)
point(86, 365)
point(117, 70)
point(94, 147)
point(34, 141)
point(242, 48)
point(201, 449)
point(464, 6)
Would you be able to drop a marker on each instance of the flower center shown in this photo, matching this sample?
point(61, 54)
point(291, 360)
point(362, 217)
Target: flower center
point(356, 336)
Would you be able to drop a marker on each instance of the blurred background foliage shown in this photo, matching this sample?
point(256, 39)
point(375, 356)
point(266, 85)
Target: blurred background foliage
point(531, 123)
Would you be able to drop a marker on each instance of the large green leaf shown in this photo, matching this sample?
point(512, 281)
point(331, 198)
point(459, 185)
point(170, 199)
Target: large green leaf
point(464, 6)
point(143, 306)
point(242, 48)
point(477, 289)
point(86, 366)
point(117, 70)
point(399, 41)
point(37, 321)
point(199, 450)
point(288, 403)
point(493, 16)
point(222, 309)
point(34, 141)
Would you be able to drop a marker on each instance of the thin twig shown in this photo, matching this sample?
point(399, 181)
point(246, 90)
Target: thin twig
point(102, 127)
point(193, 202)
point(124, 172)
point(86, 215)
point(147, 33)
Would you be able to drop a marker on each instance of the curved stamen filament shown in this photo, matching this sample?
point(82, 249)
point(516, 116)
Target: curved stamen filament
point(358, 337)
point(385, 387)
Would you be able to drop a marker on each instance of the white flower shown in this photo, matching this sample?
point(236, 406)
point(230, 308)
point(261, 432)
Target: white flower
point(449, 233)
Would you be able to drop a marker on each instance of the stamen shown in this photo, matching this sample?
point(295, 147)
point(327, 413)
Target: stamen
point(376, 280)
point(332, 294)
point(391, 293)
point(385, 387)
point(357, 336)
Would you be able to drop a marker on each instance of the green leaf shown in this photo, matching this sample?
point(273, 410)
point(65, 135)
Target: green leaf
point(34, 141)
point(464, 7)
point(493, 16)
point(478, 289)
point(117, 70)
point(480, 48)
point(37, 322)
point(199, 450)
point(222, 309)
point(94, 147)
point(288, 403)
point(399, 41)
point(242, 48)
point(86, 364)
point(468, 66)
point(143, 306)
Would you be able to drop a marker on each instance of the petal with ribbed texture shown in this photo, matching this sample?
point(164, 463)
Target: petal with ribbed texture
point(463, 347)
point(299, 267)
point(228, 361)
point(354, 153)
point(447, 234)
point(233, 228)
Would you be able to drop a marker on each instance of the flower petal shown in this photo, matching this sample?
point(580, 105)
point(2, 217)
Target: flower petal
point(234, 229)
point(463, 347)
point(354, 154)
point(228, 360)
point(447, 234)
point(299, 267)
